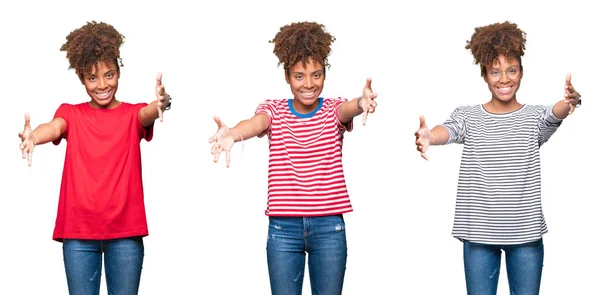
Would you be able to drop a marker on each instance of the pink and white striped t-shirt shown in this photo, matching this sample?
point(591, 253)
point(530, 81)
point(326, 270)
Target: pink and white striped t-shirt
point(306, 177)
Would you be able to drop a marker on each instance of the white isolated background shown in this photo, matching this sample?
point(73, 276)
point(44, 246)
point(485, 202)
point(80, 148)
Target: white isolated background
point(207, 224)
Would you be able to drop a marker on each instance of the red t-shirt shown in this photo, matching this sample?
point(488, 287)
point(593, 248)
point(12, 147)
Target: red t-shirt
point(101, 194)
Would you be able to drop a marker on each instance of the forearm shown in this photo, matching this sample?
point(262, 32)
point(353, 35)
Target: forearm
point(148, 114)
point(348, 110)
point(561, 109)
point(439, 135)
point(46, 132)
point(250, 128)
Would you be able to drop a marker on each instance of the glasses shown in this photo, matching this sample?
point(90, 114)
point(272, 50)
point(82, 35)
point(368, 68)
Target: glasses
point(512, 73)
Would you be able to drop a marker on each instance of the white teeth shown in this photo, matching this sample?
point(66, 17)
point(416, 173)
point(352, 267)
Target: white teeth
point(103, 95)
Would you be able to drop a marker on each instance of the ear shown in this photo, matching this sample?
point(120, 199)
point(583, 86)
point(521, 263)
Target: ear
point(287, 77)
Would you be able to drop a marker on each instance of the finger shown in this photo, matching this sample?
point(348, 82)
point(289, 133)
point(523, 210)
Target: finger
point(368, 84)
point(214, 148)
point(216, 157)
point(424, 156)
point(160, 114)
point(218, 121)
point(422, 122)
point(27, 119)
point(568, 79)
point(364, 119)
point(29, 157)
point(159, 79)
point(571, 108)
point(227, 158)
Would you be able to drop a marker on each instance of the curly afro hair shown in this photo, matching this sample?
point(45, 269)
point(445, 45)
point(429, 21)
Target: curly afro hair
point(489, 42)
point(91, 44)
point(299, 42)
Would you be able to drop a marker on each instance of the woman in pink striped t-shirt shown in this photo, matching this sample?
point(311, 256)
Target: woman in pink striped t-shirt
point(307, 192)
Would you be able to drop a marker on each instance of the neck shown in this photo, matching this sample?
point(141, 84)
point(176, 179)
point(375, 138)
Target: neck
point(499, 107)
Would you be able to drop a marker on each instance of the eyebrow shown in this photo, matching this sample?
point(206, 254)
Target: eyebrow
point(302, 73)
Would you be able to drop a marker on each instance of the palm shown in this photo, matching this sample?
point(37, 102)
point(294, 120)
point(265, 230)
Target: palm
point(222, 141)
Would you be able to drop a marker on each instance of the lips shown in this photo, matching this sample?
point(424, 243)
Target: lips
point(307, 94)
point(504, 90)
point(103, 95)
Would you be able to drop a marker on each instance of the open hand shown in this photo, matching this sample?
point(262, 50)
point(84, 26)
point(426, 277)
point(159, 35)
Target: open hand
point(367, 102)
point(162, 98)
point(423, 136)
point(27, 140)
point(223, 141)
point(572, 97)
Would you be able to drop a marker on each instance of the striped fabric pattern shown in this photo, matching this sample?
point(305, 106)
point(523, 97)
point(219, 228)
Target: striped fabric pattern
point(306, 177)
point(499, 184)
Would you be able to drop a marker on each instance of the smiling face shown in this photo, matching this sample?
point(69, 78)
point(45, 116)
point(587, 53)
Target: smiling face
point(306, 83)
point(102, 84)
point(504, 78)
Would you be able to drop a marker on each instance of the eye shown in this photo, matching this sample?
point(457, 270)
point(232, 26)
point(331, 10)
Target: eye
point(110, 75)
point(298, 77)
point(513, 71)
point(317, 75)
point(495, 73)
point(92, 78)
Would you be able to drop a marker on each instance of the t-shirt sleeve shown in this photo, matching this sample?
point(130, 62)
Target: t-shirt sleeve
point(267, 108)
point(348, 126)
point(64, 112)
point(548, 123)
point(143, 132)
point(456, 126)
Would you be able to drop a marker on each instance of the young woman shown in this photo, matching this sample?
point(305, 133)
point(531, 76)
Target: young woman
point(498, 206)
point(307, 192)
point(101, 205)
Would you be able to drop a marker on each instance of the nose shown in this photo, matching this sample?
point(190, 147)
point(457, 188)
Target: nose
point(308, 83)
point(504, 77)
point(102, 83)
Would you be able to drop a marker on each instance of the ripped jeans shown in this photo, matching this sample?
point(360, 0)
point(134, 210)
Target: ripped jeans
point(123, 265)
point(523, 267)
point(291, 238)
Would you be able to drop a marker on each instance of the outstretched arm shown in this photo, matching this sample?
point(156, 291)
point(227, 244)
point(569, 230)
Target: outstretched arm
point(155, 109)
point(363, 105)
point(225, 137)
point(425, 137)
point(42, 134)
point(566, 106)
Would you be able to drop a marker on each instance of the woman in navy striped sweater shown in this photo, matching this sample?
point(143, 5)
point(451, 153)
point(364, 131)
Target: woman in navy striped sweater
point(498, 205)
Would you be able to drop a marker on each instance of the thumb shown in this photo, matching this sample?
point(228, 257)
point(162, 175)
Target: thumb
point(27, 119)
point(422, 122)
point(568, 79)
point(218, 121)
point(159, 79)
point(368, 84)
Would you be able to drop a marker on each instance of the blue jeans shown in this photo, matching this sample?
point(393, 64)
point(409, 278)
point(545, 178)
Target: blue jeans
point(123, 265)
point(291, 238)
point(523, 267)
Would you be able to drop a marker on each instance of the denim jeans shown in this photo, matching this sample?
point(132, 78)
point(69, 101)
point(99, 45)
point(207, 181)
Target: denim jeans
point(523, 267)
point(291, 238)
point(123, 265)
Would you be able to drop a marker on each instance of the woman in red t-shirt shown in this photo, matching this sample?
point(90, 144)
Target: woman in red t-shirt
point(101, 205)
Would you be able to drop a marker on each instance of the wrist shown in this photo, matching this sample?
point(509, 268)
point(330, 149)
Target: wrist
point(358, 103)
point(168, 105)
